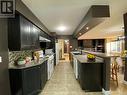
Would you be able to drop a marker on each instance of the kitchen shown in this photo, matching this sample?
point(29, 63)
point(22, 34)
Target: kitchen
point(30, 53)
point(40, 60)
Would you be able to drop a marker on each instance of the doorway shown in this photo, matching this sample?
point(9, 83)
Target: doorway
point(63, 49)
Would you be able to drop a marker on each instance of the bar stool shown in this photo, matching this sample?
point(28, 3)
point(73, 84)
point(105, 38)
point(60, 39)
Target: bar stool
point(114, 69)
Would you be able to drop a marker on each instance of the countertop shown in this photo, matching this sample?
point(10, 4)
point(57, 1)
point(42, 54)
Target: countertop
point(41, 60)
point(83, 59)
point(103, 55)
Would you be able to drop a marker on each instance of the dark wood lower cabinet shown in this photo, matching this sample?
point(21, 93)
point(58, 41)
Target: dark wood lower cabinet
point(31, 80)
point(90, 76)
point(43, 74)
point(28, 81)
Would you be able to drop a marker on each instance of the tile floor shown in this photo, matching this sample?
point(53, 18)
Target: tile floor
point(63, 82)
point(121, 89)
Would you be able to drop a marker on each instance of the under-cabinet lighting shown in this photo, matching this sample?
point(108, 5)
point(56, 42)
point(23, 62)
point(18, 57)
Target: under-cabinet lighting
point(42, 39)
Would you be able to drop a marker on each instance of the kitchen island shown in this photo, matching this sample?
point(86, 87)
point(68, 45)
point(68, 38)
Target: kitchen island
point(96, 72)
point(89, 73)
point(106, 68)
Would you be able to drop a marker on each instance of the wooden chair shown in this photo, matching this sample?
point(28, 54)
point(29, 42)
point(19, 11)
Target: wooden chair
point(114, 69)
point(119, 63)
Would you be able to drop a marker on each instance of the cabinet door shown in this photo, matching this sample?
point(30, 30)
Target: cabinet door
point(43, 76)
point(46, 71)
point(31, 80)
point(34, 33)
point(25, 33)
point(14, 33)
point(80, 43)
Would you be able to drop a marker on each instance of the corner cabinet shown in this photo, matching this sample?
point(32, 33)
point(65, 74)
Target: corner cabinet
point(29, 80)
point(22, 34)
point(25, 81)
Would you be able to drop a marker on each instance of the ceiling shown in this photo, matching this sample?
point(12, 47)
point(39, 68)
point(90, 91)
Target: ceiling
point(62, 16)
point(111, 27)
point(68, 14)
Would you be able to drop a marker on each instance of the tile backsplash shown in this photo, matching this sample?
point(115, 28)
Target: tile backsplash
point(14, 55)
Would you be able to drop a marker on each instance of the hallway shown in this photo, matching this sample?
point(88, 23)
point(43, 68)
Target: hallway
point(63, 82)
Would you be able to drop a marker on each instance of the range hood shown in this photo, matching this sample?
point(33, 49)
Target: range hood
point(42, 39)
point(95, 15)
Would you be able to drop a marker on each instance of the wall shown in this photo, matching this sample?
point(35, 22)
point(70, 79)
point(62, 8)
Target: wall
point(22, 8)
point(4, 75)
point(73, 41)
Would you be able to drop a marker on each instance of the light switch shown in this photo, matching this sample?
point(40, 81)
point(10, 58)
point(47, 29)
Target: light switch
point(0, 59)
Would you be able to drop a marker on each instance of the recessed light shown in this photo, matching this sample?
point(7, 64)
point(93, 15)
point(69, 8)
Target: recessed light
point(87, 28)
point(80, 33)
point(61, 28)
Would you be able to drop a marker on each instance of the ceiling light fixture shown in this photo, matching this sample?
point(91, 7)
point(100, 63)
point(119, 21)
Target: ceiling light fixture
point(61, 28)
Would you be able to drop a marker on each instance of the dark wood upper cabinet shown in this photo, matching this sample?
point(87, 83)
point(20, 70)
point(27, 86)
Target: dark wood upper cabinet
point(22, 34)
point(80, 43)
point(34, 36)
point(97, 45)
point(46, 44)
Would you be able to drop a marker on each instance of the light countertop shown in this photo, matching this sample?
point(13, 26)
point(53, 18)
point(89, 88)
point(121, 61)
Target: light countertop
point(41, 61)
point(84, 59)
point(103, 55)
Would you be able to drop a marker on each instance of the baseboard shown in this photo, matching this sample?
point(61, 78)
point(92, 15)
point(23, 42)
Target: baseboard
point(105, 92)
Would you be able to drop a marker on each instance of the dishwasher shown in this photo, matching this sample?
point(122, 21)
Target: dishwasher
point(50, 66)
point(75, 64)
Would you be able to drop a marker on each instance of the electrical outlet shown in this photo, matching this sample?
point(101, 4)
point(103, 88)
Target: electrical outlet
point(0, 59)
